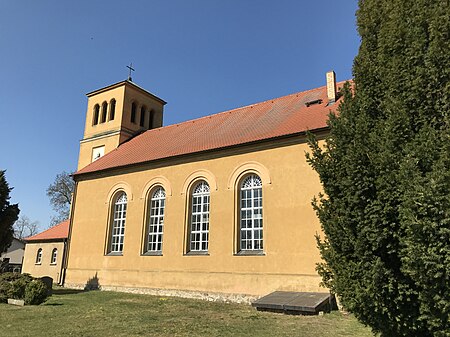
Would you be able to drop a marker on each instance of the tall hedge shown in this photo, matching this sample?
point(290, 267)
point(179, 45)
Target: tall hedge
point(385, 171)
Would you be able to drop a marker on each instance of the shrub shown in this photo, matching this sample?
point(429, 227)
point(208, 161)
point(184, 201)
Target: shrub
point(4, 290)
point(11, 285)
point(9, 277)
point(22, 287)
point(35, 292)
point(17, 289)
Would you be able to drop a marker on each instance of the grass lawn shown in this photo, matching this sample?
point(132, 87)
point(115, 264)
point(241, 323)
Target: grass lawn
point(102, 313)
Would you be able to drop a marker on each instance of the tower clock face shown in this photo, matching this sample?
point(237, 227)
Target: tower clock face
point(98, 152)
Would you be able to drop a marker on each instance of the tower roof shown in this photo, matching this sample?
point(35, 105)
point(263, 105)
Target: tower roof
point(284, 116)
point(126, 82)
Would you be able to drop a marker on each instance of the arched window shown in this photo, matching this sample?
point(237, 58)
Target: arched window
point(112, 109)
point(199, 219)
point(54, 256)
point(104, 110)
point(39, 256)
point(142, 120)
point(118, 223)
point(96, 114)
point(133, 112)
point(251, 219)
point(155, 229)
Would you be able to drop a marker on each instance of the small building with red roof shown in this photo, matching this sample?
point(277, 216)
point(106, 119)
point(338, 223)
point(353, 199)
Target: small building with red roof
point(219, 204)
point(45, 252)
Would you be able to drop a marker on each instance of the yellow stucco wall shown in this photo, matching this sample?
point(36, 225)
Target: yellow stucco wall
point(117, 94)
point(141, 99)
point(289, 224)
point(86, 148)
point(45, 268)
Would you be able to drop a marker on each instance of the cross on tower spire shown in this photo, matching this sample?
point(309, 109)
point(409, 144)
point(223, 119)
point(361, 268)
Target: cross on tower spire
point(130, 67)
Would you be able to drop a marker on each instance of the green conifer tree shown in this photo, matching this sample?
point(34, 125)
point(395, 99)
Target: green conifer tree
point(385, 171)
point(8, 214)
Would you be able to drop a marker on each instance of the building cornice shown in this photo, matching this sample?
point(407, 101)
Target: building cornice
point(108, 134)
point(125, 83)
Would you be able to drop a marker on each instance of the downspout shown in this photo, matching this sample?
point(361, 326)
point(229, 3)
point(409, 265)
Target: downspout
point(67, 242)
point(62, 272)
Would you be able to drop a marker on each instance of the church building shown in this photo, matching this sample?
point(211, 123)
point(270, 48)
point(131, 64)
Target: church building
point(219, 204)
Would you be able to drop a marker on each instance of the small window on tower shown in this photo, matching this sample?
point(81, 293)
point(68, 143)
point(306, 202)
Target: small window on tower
point(104, 109)
point(98, 152)
point(133, 113)
point(150, 119)
point(142, 120)
point(112, 109)
point(96, 113)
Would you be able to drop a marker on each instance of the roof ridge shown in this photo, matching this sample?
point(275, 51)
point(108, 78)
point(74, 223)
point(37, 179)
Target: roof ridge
point(57, 225)
point(236, 109)
point(246, 106)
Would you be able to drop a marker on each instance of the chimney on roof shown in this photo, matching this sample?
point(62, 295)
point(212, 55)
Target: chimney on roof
point(331, 87)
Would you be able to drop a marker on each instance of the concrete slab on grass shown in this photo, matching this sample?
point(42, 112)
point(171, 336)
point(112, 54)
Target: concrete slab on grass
point(295, 302)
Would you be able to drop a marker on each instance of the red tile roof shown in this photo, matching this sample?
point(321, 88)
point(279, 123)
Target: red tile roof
point(60, 231)
point(278, 117)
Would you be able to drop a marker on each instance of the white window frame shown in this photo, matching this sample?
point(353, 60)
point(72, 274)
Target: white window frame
point(155, 227)
point(39, 256)
point(98, 152)
point(119, 214)
point(54, 256)
point(199, 218)
point(250, 214)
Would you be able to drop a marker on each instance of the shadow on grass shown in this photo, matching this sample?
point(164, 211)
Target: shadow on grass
point(91, 284)
point(67, 291)
point(53, 304)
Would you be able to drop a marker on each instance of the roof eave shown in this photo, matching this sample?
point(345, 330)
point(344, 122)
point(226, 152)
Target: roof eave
point(45, 240)
point(301, 133)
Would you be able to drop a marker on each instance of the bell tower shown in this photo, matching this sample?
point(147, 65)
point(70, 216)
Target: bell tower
point(115, 114)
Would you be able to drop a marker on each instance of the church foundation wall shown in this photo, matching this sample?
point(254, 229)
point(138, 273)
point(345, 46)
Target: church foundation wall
point(177, 283)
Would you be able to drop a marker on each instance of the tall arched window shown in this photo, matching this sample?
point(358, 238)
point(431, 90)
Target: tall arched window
point(142, 119)
point(104, 111)
point(133, 113)
point(54, 256)
point(155, 229)
point(112, 109)
point(251, 219)
point(96, 114)
point(118, 223)
point(199, 224)
point(39, 256)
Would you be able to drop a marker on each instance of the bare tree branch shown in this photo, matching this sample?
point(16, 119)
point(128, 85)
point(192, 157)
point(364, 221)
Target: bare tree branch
point(24, 227)
point(60, 194)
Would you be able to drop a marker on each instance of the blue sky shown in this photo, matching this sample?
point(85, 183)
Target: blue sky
point(201, 56)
